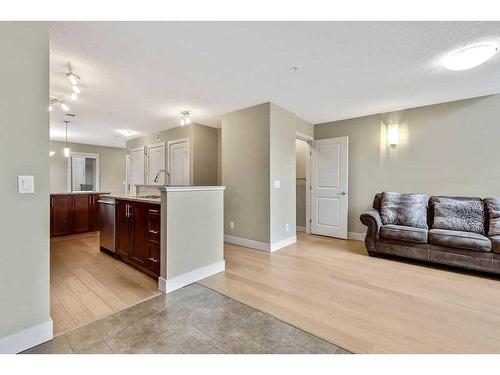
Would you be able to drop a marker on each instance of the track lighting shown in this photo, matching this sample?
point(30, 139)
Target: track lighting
point(76, 89)
point(73, 78)
point(185, 118)
point(64, 107)
point(74, 96)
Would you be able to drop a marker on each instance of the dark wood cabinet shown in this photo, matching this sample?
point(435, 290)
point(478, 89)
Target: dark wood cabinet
point(123, 225)
point(61, 208)
point(138, 235)
point(73, 213)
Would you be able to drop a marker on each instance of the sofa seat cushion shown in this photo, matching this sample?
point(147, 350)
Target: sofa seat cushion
point(403, 233)
point(459, 240)
point(495, 243)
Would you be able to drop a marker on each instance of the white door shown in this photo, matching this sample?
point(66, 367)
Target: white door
point(329, 172)
point(136, 167)
point(178, 161)
point(156, 162)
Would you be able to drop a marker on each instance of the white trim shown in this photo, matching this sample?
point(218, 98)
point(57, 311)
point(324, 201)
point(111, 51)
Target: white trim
point(261, 246)
point(169, 285)
point(87, 155)
point(27, 338)
point(192, 188)
point(300, 229)
point(356, 236)
point(257, 245)
point(304, 137)
point(283, 243)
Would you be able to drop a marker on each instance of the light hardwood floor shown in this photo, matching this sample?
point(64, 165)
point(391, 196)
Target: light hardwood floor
point(86, 284)
point(332, 289)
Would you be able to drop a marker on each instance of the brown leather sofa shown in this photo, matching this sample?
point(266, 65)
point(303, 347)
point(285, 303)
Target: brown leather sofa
point(471, 248)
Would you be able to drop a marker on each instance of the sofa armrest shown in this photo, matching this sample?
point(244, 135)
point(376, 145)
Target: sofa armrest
point(373, 221)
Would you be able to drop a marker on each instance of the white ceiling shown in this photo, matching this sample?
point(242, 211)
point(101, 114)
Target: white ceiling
point(141, 75)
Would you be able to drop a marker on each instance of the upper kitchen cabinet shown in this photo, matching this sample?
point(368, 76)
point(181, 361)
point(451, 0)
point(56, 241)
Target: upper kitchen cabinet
point(189, 153)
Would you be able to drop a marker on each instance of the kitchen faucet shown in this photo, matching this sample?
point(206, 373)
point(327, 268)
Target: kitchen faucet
point(158, 176)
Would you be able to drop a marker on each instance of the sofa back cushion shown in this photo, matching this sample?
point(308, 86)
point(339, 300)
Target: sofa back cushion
point(458, 214)
point(404, 209)
point(493, 207)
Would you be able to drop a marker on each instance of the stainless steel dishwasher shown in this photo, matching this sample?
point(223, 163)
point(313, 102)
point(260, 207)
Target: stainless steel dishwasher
point(107, 223)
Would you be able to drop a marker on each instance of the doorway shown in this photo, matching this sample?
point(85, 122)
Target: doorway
point(302, 182)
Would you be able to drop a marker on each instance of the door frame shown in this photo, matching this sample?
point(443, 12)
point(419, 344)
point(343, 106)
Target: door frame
point(188, 142)
point(308, 139)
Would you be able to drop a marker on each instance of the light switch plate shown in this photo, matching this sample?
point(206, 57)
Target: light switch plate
point(26, 184)
point(277, 184)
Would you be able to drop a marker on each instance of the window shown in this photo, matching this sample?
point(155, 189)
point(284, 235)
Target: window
point(83, 172)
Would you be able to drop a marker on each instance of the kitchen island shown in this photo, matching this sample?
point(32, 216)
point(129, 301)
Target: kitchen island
point(177, 238)
point(192, 235)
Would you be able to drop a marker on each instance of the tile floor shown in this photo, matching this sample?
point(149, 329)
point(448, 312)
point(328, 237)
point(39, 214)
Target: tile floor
point(193, 319)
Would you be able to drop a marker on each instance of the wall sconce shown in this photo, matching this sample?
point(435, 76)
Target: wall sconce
point(393, 134)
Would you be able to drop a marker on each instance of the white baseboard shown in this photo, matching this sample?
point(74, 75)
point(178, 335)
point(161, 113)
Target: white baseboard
point(283, 243)
point(262, 246)
point(257, 245)
point(27, 338)
point(356, 236)
point(300, 229)
point(169, 285)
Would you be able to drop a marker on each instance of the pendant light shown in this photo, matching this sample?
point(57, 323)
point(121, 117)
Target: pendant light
point(66, 148)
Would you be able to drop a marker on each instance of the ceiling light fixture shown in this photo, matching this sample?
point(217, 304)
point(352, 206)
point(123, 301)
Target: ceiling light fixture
point(127, 132)
point(469, 57)
point(76, 89)
point(66, 148)
point(74, 96)
point(64, 107)
point(185, 118)
point(73, 78)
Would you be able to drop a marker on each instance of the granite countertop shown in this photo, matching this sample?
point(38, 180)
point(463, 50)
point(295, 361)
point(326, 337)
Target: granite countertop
point(191, 188)
point(133, 198)
point(79, 192)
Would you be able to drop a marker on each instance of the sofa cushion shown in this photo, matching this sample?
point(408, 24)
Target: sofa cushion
point(403, 233)
point(459, 240)
point(404, 209)
point(493, 207)
point(458, 214)
point(495, 243)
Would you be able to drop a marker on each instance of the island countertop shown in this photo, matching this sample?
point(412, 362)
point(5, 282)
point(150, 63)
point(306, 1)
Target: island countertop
point(134, 198)
point(191, 188)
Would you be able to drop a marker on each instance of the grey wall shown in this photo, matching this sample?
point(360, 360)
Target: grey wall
point(284, 125)
point(300, 182)
point(246, 172)
point(449, 148)
point(258, 147)
point(205, 157)
point(111, 167)
point(24, 150)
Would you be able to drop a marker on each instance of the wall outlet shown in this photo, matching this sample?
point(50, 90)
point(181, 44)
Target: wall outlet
point(231, 224)
point(287, 227)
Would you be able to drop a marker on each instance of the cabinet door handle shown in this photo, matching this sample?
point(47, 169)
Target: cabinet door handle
point(126, 210)
point(154, 260)
point(154, 211)
point(153, 231)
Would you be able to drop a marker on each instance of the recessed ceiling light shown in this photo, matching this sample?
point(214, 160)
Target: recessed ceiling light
point(469, 57)
point(127, 132)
